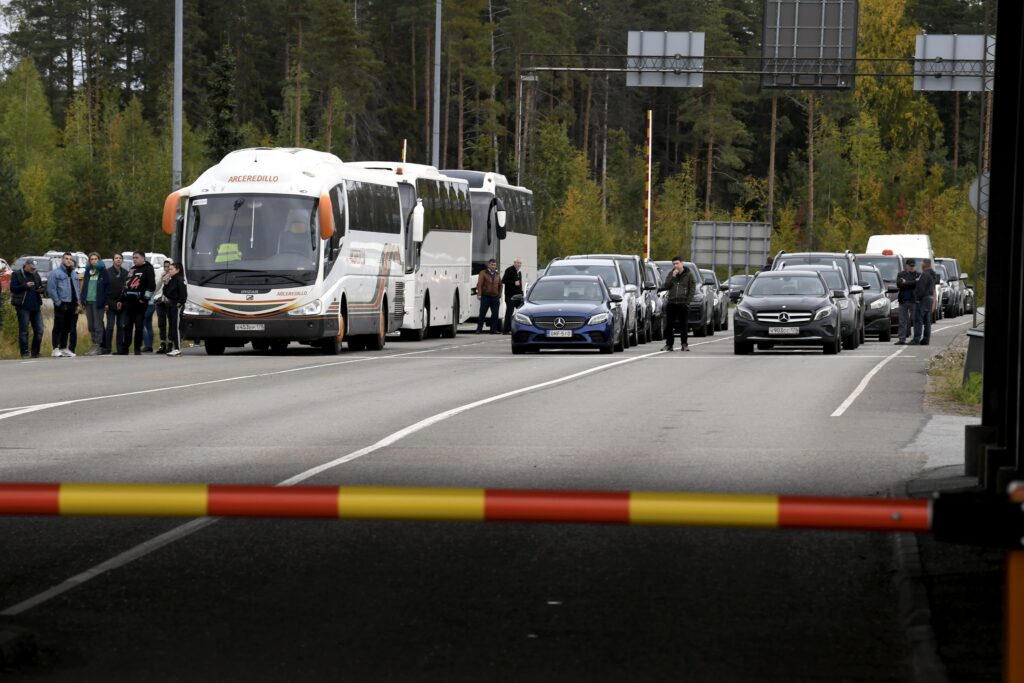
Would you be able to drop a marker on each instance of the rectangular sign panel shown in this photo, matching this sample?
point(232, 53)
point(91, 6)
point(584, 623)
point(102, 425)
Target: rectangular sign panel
point(730, 244)
point(950, 63)
point(809, 44)
point(665, 59)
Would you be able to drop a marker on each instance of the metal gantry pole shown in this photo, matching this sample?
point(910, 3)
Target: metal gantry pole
point(435, 147)
point(647, 190)
point(176, 144)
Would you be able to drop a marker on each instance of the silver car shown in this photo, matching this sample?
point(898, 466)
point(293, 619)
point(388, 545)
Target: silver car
point(721, 297)
point(609, 271)
point(632, 268)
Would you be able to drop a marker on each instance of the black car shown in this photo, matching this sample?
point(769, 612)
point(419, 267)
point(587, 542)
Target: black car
point(702, 308)
point(850, 318)
point(737, 283)
point(845, 261)
point(789, 307)
point(877, 303)
point(889, 265)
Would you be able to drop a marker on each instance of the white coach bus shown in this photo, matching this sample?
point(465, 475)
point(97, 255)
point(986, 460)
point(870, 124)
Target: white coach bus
point(517, 238)
point(282, 245)
point(437, 281)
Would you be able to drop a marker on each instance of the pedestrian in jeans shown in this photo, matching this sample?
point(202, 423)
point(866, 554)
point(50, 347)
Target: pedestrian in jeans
point(66, 295)
point(113, 336)
point(94, 293)
point(906, 281)
point(175, 296)
point(924, 299)
point(488, 291)
point(681, 286)
point(138, 290)
point(156, 305)
point(27, 297)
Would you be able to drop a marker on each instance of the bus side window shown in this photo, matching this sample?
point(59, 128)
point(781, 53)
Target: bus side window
point(338, 209)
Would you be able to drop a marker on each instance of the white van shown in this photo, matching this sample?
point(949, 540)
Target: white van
point(909, 246)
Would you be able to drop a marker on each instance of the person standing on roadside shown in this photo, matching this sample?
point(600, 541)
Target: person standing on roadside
point(66, 295)
point(156, 305)
point(27, 298)
point(138, 290)
point(924, 299)
point(513, 284)
point(906, 281)
point(114, 333)
point(488, 291)
point(94, 293)
point(175, 296)
point(681, 286)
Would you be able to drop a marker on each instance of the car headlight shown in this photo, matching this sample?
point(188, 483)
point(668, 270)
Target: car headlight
point(844, 303)
point(744, 313)
point(312, 308)
point(823, 312)
point(598, 319)
point(522, 319)
point(698, 298)
point(195, 309)
point(879, 303)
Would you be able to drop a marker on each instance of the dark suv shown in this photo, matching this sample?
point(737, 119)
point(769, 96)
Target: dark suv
point(846, 261)
point(889, 265)
point(788, 307)
point(702, 308)
point(851, 321)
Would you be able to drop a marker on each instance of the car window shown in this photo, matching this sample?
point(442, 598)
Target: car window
point(629, 272)
point(609, 274)
point(871, 277)
point(567, 290)
point(795, 285)
point(941, 271)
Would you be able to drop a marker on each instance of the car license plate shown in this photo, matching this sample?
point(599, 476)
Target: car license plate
point(783, 330)
point(250, 327)
point(560, 333)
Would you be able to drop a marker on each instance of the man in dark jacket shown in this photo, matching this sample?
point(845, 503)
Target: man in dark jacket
point(94, 300)
point(138, 290)
point(681, 286)
point(906, 281)
point(513, 284)
point(175, 296)
point(924, 299)
point(114, 333)
point(488, 291)
point(27, 297)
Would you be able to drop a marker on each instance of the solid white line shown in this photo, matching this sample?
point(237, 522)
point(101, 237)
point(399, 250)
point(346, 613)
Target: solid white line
point(195, 525)
point(864, 383)
point(22, 410)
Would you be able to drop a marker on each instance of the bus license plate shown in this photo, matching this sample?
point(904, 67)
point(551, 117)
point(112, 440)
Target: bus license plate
point(560, 333)
point(250, 327)
point(783, 330)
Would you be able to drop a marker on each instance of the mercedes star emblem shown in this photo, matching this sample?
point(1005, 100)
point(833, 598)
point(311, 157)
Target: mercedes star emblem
point(559, 323)
point(783, 317)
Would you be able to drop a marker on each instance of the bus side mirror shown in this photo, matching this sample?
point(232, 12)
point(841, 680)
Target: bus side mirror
point(326, 215)
point(500, 216)
point(170, 217)
point(417, 221)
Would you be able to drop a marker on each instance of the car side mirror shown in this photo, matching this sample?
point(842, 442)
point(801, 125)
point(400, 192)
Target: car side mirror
point(963, 276)
point(616, 298)
point(517, 299)
point(417, 222)
point(709, 282)
point(838, 294)
point(892, 289)
point(856, 289)
point(650, 287)
point(724, 287)
point(866, 286)
point(630, 289)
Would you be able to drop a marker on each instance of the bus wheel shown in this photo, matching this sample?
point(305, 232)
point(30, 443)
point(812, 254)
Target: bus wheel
point(421, 333)
point(279, 346)
point(375, 342)
point(214, 347)
point(449, 331)
point(356, 343)
point(260, 345)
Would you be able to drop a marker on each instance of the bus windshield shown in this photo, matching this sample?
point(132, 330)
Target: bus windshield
point(236, 239)
point(485, 237)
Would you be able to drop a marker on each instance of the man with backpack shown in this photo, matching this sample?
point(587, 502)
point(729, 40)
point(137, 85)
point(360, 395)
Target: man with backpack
point(138, 290)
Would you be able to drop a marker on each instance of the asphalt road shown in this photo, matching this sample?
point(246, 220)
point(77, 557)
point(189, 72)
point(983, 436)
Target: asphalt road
point(289, 600)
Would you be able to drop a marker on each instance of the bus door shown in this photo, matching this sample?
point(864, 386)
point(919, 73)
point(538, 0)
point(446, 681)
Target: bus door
point(407, 196)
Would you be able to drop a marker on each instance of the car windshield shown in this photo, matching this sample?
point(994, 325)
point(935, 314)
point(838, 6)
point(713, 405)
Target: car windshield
point(890, 266)
point(833, 279)
point(607, 273)
point(249, 235)
point(708, 275)
point(940, 270)
point(871, 277)
point(791, 285)
point(739, 279)
point(951, 268)
point(566, 290)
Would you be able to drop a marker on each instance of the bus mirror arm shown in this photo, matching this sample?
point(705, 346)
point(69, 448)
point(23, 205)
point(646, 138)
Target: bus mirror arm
point(417, 222)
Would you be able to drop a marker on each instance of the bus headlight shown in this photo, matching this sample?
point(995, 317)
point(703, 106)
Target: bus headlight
point(312, 308)
point(194, 309)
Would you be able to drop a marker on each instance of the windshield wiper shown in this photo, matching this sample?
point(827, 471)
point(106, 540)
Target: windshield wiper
point(256, 273)
point(224, 271)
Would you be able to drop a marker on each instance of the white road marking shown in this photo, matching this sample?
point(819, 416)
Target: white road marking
point(22, 410)
point(864, 383)
point(195, 525)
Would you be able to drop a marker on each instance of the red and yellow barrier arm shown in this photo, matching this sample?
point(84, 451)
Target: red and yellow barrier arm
point(449, 504)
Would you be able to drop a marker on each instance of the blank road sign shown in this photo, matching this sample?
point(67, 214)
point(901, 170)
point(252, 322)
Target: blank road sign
point(809, 44)
point(730, 244)
point(665, 59)
point(950, 63)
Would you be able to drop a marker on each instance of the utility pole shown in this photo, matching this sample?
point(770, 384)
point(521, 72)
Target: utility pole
point(771, 163)
point(436, 143)
point(810, 172)
point(176, 124)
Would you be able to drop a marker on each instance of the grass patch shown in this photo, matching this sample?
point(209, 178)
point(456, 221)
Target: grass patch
point(9, 331)
point(947, 368)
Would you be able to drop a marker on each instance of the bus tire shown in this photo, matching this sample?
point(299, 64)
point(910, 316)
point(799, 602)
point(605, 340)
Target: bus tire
point(279, 346)
point(356, 343)
point(260, 345)
point(375, 342)
point(420, 333)
point(449, 331)
point(214, 347)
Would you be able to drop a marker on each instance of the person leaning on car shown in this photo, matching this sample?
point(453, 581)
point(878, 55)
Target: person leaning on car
point(906, 281)
point(681, 285)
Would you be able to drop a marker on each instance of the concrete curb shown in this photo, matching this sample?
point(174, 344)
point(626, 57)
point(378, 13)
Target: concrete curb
point(17, 646)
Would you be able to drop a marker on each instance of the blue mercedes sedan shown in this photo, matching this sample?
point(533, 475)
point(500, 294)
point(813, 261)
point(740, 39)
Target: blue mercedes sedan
point(568, 312)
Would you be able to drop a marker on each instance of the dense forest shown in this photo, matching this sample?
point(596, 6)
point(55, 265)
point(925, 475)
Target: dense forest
point(85, 103)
